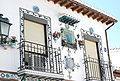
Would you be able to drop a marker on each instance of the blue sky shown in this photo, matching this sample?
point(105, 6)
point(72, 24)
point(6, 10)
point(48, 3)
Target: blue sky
point(111, 7)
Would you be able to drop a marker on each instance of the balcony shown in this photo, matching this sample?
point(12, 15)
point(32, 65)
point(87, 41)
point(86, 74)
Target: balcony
point(40, 61)
point(97, 70)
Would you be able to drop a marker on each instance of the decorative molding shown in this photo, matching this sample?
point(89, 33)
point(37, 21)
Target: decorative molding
point(36, 9)
point(97, 38)
point(8, 75)
point(68, 39)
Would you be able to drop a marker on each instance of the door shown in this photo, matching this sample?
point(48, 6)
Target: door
point(92, 59)
point(34, 34)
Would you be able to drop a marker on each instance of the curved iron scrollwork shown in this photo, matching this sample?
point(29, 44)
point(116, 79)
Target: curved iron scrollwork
point(51, 63)
point(89, 62)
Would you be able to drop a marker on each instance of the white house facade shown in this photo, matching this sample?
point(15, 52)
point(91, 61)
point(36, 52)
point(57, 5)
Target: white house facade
point(53, 40)
point(115, 57)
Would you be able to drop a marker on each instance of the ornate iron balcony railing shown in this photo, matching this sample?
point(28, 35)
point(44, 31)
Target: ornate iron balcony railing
point(97, 70)
point(40, 58)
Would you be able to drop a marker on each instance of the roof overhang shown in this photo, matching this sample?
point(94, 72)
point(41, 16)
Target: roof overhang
point(85, 10)
point(116, 73)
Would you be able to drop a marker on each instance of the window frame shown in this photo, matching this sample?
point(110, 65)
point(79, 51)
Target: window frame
point(39, 21)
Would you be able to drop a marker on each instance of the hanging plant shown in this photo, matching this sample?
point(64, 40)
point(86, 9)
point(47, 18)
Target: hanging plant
point(62, 30)
point(78, 36)
point(13, 40)
point(64, 42)
point(56, 35)
point(9, 42)
point(81, 43)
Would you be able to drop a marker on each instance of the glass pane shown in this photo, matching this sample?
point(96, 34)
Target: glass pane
point(4, 28)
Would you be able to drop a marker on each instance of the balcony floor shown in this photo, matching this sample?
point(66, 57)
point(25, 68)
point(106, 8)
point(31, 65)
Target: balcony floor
point(40, 74)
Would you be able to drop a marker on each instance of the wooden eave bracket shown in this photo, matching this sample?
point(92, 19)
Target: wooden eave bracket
point(85, 10)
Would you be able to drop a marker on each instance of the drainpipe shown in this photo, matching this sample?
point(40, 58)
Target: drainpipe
point(109, 61)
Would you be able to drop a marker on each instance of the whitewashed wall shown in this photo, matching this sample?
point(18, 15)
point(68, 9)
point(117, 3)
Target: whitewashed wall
point(115, 57)
point(9, 59)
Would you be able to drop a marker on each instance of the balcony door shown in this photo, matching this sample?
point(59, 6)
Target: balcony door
point(92, 55)
point(35, 42)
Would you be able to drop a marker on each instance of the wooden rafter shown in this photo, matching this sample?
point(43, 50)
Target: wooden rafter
point(100, 18)
point(95, 16)
point(57, 1)
point(116, 71)
point(71, 5)
point(77, 9)
point(85, 12)
point(81, 8)
point(64, 3)
point(74, 8)
point(108, 22)
point(116, 75)
point(104, 20)
point(90, 14)
point(50, 0)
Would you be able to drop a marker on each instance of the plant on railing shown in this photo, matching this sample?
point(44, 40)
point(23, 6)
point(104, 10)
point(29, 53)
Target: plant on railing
point(56, 35)
point(9, 42)
point(64, 42)
point(81, 43)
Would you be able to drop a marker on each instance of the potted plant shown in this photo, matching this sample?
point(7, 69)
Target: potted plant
point(13, 40)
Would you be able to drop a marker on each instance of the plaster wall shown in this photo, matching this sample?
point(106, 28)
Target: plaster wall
point(9, 59)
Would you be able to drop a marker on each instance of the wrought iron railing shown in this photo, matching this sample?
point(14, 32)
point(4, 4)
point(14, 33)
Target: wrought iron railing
point(38, 57)
point(97, 70)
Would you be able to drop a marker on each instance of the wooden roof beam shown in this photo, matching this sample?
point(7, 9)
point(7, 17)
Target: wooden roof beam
point(74, 8)
point(116, 71)
point(50, 0)
point(70, 6)
point(90, 14)
point(85, 12)
point(109, 21)
point(104, 20)
point(81, 9)
point(100, 18)
point(57, 1)
point(77, 9)
point(64, 3)
point(116, 75)
point(95, 16)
